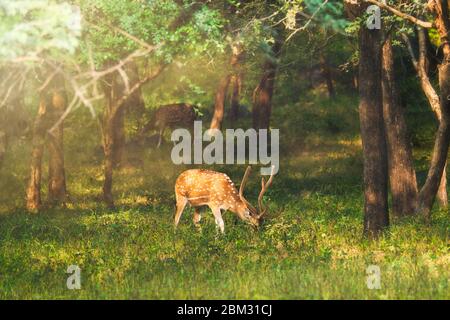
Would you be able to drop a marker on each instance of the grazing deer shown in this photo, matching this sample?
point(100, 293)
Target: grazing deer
point(200, 187)
point(171, 115)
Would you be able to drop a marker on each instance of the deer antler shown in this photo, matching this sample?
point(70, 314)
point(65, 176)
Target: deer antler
point(264, 187)
point(242, 187)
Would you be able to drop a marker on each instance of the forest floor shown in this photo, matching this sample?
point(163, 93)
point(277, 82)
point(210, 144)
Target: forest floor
point(310, 246)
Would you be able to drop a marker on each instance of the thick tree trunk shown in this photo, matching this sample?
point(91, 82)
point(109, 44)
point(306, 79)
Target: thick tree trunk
point(402, 175)
point(262, 95)
point(57, 177)
point(376, 216)
point(219, 104)
point(442, 140)
point(221, 93)
point(33, 193)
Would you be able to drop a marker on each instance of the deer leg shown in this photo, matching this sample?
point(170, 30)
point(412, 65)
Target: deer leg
point(197, 217)
point(218, 217)
point(181, 204)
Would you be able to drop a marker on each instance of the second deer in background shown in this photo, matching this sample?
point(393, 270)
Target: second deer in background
point(171, 116)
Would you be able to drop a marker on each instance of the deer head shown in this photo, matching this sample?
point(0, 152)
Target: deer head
point(255, 215)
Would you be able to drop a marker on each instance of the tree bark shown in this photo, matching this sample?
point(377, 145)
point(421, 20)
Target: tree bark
point(442, 195)
point(221, 93)
point(219, 104)
point(118, 127)
point(33, 194)
point(236, 83)
point(262, 95)
point(56, 172)
point(3, 146)
point(402, 175)
point(376, 216)
point(108, 148)
point(109, 132)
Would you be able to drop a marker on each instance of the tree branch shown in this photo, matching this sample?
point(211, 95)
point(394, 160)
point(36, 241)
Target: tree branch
point(421, 23)
point(420, 66)
point(150, 76)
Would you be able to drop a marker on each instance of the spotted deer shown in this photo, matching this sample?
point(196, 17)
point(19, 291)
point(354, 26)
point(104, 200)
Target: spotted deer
point(171, 115)
point(200, 187)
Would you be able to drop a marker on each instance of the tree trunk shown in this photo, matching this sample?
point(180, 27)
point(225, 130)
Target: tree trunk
point(219, 104)
point(119, 137)
point(33, 194)
point(116, 99)
point(3, 146)
point(135, 105)
point(108, 148)
point(236, 83)
point(117, 96)
point(53, 102)
point(376, 216)
point(442, 140)
point(57, 177)
point(434, 100)
point(221, 93)
point(439, 155)
point(402, 175)
point(442, 196)
point(262, 95)
point(109, 132)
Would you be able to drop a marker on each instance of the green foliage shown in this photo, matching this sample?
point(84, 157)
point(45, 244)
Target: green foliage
point(30, 27)
point(329, 15)
point(142, 20)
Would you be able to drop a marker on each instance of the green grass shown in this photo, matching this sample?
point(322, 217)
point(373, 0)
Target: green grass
point(310, 247)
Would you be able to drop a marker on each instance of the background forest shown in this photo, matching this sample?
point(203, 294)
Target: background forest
point(363, 115)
